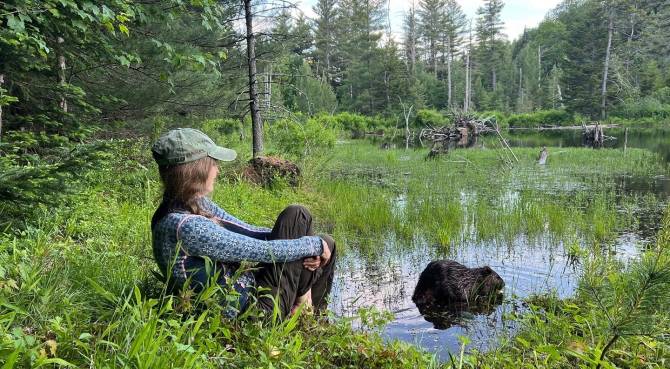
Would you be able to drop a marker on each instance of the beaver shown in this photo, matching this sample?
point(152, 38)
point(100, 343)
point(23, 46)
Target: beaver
point(446, 283)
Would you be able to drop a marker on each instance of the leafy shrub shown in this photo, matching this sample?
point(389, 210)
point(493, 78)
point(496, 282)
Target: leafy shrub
point(497, 116)
point(541, 118)
point(354, 123)
point(662, 95)
point(216, 128)
point(302, 139)
point(646, 107)
point(429, 117)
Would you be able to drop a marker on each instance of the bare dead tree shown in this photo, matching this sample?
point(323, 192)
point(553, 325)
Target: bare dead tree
point(256, 122)
point(603, 93)
point(61, 76)
point(2, 81)
point(466, 103)
point(406, 112)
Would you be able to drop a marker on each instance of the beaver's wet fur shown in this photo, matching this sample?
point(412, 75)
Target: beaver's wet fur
point(446, 283)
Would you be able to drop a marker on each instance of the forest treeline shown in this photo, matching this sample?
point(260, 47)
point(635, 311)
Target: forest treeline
point(68, 64)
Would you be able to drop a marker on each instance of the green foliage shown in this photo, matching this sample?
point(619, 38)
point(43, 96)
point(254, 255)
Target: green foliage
point(646, 107)
point(303, 139)
point(76, 290)
point(216, 128)
point(542, 118)
point(430, 118)
point(354, 123)
point(41, 170)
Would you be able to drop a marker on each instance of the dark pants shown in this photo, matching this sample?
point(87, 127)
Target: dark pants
point(285, 282)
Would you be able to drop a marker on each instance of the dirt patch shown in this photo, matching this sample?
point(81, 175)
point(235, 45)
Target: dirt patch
point(264, 170)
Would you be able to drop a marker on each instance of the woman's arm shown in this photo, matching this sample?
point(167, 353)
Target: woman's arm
point(234, 224)
point(202, 237)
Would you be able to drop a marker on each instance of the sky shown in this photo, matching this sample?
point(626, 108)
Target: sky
point(516, 14)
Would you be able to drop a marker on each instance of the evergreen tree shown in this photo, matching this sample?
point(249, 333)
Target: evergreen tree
point(490, 44)
point(431, 14)
point(360, 24)
point(325, 37)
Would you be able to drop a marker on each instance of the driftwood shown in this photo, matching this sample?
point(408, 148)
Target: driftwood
point(563, 128)
point(462, 133)
point(594, 136)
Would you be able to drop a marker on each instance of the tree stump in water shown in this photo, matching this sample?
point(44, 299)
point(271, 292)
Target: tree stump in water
point(542, 159)
point(263, 170)
point(594, 137)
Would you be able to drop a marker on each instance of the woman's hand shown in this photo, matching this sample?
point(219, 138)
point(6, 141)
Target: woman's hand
point(315, 262)
point(311, 263)
point(325, 256)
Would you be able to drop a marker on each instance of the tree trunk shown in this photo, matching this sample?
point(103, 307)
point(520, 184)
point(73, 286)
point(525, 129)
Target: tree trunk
point(449, 71)
point(2, 80)
point(629, 53)
point(433, 57)
point(610, 30)
point(539, 67)
point(268, 88)
point(466, 102)
point(256, 123)
point(493, 75)
point(61, 76)
point(521, 87)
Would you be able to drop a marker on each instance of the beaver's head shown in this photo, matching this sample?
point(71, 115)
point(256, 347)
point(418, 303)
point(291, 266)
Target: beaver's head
point(488, 284)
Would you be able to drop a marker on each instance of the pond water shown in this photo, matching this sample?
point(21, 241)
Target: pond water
point(385, 279)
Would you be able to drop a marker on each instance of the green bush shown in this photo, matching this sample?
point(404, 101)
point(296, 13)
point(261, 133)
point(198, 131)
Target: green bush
point(646, 107)
point(354, 123)
point(662, 95)
point(217, 128)
point(542, 118)
point(302, 139)
point(495, 115)
point(429, 117)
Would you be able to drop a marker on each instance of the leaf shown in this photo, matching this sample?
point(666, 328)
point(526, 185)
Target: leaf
point(101, 291)
point(185, 348)
point(123, 60)
point(124, 29)
point(60, 362)
point(15, 23)
point(85, 336)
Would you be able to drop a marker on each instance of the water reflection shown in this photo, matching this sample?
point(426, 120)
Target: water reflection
point(383, 272)
point(387, 279)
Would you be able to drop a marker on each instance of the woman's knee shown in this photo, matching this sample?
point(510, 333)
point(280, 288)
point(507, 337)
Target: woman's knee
point(297, 209)
point(330, 241)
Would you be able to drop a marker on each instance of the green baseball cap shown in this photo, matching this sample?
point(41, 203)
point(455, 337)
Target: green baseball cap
point(183, 145)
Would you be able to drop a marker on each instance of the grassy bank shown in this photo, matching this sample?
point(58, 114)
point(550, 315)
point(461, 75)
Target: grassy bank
point(76, 288)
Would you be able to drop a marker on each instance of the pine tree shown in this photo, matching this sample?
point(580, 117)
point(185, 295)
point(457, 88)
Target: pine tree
point(411, 39)
point(431, 13)
point(360, 24)
point(454, 22)
point(325, 37)
point(489, 36)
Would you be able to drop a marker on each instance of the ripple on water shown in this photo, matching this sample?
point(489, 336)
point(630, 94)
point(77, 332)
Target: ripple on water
point(387, 282)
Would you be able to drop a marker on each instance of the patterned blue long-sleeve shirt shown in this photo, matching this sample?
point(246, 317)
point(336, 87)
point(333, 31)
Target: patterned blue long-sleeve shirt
point(224, 239)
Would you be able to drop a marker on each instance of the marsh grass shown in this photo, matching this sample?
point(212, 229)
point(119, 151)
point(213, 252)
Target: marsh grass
point(453, 200)
point(76, 288)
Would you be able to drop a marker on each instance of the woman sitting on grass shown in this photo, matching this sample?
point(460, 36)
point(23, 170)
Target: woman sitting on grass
point(189, 230)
